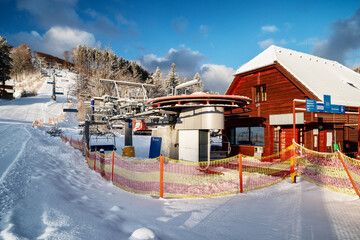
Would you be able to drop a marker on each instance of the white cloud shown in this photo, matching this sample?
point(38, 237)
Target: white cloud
point(56, 40)
point(216, 78)
point(49, 13)
point(187, 61)
point(269, 29)
point(343, 41)
point(266, 43)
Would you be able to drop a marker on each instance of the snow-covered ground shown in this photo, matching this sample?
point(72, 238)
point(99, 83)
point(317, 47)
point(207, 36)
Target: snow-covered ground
point(47, 191)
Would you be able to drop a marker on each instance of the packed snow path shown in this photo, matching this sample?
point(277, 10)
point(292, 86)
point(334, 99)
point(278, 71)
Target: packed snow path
point(47, 191)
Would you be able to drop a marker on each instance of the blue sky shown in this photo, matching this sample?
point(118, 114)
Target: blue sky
point(213, 38)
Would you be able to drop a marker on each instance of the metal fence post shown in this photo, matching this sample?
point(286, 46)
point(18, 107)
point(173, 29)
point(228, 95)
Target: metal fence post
point(112, 168)
point(240, 173)
point(293, 164)
point(161, 176)
point(347, 171)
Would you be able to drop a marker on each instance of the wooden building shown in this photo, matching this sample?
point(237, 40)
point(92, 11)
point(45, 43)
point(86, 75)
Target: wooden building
point(276, 77)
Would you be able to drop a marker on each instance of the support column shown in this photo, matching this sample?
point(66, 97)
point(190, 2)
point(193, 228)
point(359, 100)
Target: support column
point(87, 134)
point(294, 122)
point(128, 132)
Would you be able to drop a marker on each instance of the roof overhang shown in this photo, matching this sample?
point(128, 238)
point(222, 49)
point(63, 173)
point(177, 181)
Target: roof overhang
point(283, 71)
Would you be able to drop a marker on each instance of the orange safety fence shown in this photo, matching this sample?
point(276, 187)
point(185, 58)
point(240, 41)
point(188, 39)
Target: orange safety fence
point(327, 169)
point(165, 177)
point(266, 171)
point(137, 176)
point(352, 167)
point(40, 123)
point(77, 144)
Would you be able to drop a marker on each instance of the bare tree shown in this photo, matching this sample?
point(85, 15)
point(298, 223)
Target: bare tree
point(66, 55)
point(22, 64)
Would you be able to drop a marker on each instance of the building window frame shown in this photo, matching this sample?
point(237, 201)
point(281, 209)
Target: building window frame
point(249, 135)
point(260, 94)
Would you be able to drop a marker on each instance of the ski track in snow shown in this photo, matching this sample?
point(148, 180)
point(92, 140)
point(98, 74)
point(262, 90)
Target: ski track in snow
point(47, 191)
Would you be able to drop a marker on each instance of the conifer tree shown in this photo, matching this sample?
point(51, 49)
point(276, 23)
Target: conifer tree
point(172, 80)
point(5, 60)
point(160, 84)
point(198, 87)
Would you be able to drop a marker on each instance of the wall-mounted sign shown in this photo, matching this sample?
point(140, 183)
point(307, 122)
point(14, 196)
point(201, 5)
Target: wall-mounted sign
point(327, 107)
point(327, 103)
point(310, 105)
point(320, 107)
point(337, 109)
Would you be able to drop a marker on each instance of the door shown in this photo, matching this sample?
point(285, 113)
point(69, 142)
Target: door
point(326, 138)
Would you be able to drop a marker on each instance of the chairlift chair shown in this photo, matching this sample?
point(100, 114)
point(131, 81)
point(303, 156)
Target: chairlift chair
point(217, 142)
point(69, 109)
point(58, 91)
point(106, 142)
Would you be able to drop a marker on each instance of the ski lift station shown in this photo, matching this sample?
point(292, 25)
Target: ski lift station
point(181, 124)
point(191, 119)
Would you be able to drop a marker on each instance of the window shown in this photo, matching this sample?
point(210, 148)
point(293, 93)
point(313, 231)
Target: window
point(260, 93)
point(247, 136)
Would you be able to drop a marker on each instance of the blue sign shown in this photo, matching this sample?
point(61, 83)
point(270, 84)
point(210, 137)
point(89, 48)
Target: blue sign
point(338, 109)
point(313, 106)
point(130, 123)
point(335, 108)
point(310, 105)
point(327, 103)
point(342, 109)
point(320, 107)
point(155, 147)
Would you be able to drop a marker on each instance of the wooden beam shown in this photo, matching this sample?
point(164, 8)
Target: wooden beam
point(6, 87)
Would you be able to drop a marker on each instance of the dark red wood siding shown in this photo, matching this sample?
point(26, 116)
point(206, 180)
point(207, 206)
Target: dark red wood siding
point(281, 89)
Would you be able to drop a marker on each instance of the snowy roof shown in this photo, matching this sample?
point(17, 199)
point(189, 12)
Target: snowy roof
point(321, 76)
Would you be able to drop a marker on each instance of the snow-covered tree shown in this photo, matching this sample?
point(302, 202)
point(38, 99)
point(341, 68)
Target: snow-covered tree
point(90, 58)
point(5, 60)
point(79, 55)
point(172, 80)
point(198, 87)
point(160, 84)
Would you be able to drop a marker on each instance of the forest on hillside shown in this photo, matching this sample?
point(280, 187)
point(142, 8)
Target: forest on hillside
point(94, 64)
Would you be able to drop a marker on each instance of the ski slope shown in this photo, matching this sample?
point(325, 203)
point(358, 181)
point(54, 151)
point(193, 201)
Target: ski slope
point(47, 191)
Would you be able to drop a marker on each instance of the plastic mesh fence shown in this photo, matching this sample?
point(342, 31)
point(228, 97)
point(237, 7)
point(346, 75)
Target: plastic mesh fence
point(266, 171)
point(204, 179)
point(184, 179)
point(77, 144)
point(64, 138)
point(353, 167)
point(323, 169)
point(137, 176)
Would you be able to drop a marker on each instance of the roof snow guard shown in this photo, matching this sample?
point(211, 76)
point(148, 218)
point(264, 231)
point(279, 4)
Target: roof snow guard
point(203, 100)
point(321, 76)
